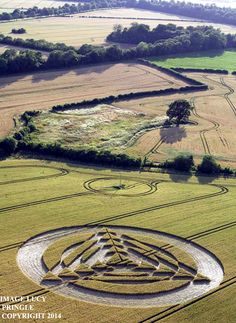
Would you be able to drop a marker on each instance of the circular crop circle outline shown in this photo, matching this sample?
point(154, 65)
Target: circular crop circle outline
point(30, 261)
point(151, 186)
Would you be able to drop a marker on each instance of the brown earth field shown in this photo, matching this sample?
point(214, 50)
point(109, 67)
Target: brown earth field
point(212, 131)
point(45, 89)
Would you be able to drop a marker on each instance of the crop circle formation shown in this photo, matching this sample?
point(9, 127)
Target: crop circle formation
point(120, 186)
point(119, 265)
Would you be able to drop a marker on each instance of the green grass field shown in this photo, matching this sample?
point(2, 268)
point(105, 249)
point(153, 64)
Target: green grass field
point(213, 59)
point(38, 196)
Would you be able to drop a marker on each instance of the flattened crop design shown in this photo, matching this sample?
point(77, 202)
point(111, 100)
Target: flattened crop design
point(120, 266)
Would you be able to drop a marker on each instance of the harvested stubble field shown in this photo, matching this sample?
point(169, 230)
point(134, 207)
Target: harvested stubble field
point(44, 89)
point(74, 30)
point(132, 13)
point(77, 30)
point(135, 126)
point(23, 4)
point(212, 131)
point(42, 196)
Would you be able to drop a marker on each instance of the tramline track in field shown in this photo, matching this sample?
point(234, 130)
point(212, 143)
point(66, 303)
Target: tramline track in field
point(203, 132)
point(61, 172)
point(223, 190)
point(226, 96)
point(53, 199)
point(176, 308)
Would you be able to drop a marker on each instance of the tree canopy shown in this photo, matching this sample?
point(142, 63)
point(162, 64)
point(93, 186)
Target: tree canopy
point(209, 166)
point(188, 39)
point(179, 111)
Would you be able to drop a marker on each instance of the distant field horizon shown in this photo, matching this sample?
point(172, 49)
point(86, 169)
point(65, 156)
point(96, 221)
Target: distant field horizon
point(82, 28)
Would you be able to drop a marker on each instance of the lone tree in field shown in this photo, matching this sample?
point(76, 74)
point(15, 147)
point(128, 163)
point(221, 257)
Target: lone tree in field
point(179, 111)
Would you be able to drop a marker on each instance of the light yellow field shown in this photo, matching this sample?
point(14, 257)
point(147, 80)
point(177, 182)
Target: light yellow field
point(45, 89)
point(36, 203)
point(24, 4)
point(73, 30)
point(132, 13)
point(77, 30)
point(213, 133)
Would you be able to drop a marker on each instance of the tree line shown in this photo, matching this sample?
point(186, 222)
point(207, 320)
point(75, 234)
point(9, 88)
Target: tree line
point(21, 142)
point(12, 61)
point(208, 166)
point(190, 38)
point(195, 10)
point(40, 44)
point(198, 11)
point(202, 70)
point(64, 10)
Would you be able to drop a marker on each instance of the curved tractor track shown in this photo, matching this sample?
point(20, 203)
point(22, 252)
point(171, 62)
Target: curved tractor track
point(215, 127)
point(221, 191)
point(227, 94)
point(231, 91)
point(155, 148)
point(61, 172)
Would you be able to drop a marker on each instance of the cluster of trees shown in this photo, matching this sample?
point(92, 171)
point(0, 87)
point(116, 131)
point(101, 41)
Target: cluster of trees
point(208, 165)
point(40, 44)
point(12, 61)
point(64, 10)
point(189, 38)
point(194, 10)
point(18, 31)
